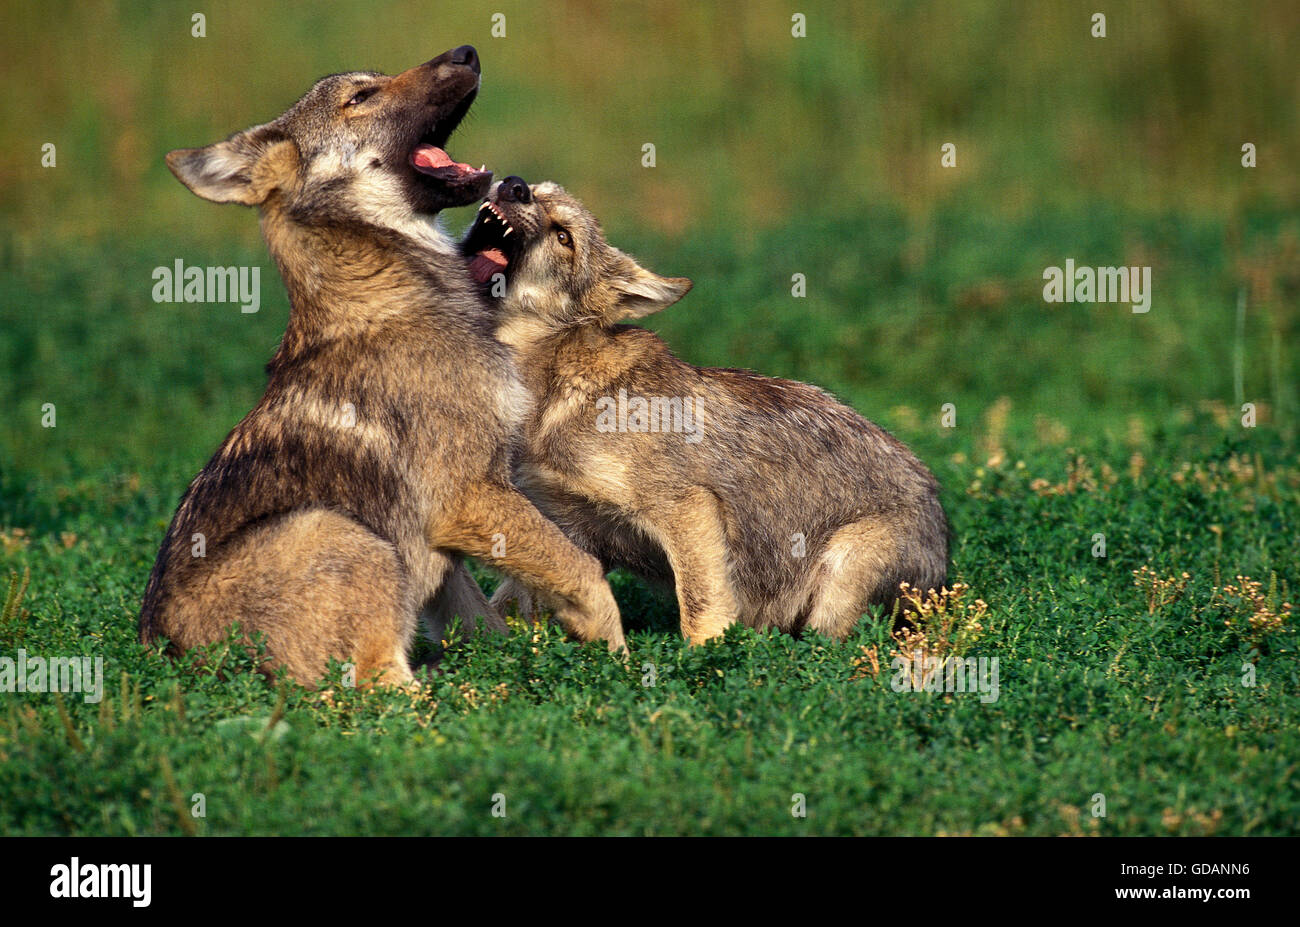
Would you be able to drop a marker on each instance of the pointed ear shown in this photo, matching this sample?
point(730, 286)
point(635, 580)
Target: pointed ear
point(245, 168)
point(640, 292)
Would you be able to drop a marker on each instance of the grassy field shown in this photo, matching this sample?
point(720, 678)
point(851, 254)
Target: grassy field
point(1151, 676)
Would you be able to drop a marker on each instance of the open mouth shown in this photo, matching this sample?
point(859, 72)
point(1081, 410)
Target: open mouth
point(491, 244)
point(432, 161)
point(430, 158)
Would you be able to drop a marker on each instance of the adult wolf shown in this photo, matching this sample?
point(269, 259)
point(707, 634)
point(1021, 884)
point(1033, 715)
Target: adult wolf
point(340, 506)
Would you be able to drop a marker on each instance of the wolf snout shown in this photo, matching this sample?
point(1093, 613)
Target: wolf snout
point(514, 190)
point(466, 55)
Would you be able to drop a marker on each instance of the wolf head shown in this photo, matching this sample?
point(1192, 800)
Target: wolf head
point(360, 147)
point(558, 269)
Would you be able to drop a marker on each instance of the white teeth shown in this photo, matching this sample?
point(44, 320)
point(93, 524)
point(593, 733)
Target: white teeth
point(482, 168)
point(485, 205)
point(507, 232)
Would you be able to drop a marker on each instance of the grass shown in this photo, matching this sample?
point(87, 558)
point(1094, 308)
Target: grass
point(1152, 676)
point(1099, 693)
point(1100, 690)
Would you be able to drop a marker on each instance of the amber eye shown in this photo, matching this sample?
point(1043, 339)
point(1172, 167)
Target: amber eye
point(564, 238)
point(362, 95)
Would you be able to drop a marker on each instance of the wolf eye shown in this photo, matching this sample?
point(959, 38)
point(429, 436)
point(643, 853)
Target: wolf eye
point(564, 238)
point(361, 96)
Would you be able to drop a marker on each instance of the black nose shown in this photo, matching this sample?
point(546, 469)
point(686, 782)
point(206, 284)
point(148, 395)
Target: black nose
point(467, 56)
point(514, 190)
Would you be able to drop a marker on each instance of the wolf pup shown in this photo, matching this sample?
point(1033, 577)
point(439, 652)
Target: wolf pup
point(764, 500)
point(340, 506)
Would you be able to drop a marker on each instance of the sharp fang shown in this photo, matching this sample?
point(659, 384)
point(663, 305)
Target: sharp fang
point(507, 232)
point(485, 205)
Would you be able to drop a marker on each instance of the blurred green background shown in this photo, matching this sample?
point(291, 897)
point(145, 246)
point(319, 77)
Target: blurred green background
point(775, 155)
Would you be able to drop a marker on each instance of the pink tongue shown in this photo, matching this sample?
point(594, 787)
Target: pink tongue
point(486, 263)
point(431, 158)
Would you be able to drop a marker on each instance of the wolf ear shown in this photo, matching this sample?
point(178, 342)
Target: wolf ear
point(640, 292)
point(245, 168)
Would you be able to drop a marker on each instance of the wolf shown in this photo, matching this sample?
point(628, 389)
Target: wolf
point(342, 504)
point(761, 500)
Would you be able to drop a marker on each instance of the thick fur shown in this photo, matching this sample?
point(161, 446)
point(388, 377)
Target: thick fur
point(788, 509)
point(340, 506)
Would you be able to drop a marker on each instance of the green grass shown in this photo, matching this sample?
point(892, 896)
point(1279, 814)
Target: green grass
point(923, 288)
point(1096, 694)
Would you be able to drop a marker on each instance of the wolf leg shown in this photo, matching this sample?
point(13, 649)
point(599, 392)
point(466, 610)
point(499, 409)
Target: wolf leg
point(317, 584)
point(460, 597)
point(859, 566)
point(500, 526)
point(693, 534)
point(513, 591)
